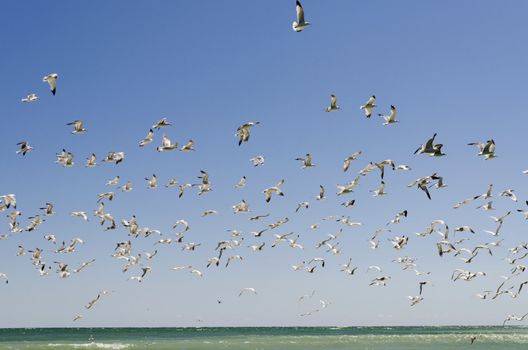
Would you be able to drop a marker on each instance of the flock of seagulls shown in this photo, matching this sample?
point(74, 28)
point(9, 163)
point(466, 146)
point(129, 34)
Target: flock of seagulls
point(229, 251)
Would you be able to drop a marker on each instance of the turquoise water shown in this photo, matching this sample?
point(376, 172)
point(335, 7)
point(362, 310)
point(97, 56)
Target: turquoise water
point(327, 338)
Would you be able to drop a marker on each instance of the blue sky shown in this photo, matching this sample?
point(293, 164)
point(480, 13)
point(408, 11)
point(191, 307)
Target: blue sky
point(454, 68)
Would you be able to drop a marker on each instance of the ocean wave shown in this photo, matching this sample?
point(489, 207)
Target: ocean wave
point(113, 346)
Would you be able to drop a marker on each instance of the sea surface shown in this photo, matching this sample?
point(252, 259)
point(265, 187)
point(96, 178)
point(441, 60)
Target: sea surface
point(305, 338)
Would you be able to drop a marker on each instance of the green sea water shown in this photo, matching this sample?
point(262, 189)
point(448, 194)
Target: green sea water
point(305, 338)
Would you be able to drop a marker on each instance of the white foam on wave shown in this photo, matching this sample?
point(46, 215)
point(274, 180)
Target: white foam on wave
point(113, 346)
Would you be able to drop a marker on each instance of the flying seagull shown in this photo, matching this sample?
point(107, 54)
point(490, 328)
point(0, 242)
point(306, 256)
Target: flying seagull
point(300, 24)
point(51, 79)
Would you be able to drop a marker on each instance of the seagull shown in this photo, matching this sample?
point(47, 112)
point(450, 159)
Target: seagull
point(241, 183)
point(302, 205)
point(91, 161)
point(51, 238)
point(243, 132)
point(510, 194)
point(91, 303)
point(348, 203)
point(162, 123)
point(485, 149)
point(188, 147)
point(107, 195)
point(333, 104)
point(464, 228)
point(166, 145)
point(257, 247)
point(51, 79)
point(148, 139)
point(258, 217)
point(234, 257)
point(380, 281)
point(171, 183)
point(30, 98)
point(487, 206)
point(349, 159)
point(83, 265)
point(78, 127)
point(434, 150)
point(4, 276)
point(300, 24)
point(113, 182)
point(247, 290)
point(127, 187)
point(24, 148)
point(182, 188)
point(307, 162)
point(183, 223)
point(196, 272)
point(347, 188)
point(369, 106)
point(241, 207)
point(391, 118)
point(80, 214)
point(415, 300)
point(114, 157)
point(422, 284)
point(257, 161)
point(48, 209)
point(321, 194)
point(514, 318)
point(152, 182)
point(78, 317)
point(208, 212)
point(275, 189)
point(380, 191)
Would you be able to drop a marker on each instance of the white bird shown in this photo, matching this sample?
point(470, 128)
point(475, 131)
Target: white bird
point(127, 187)
point(257, 161)
point(162, 123)
point(347, 188)
point(300, 24)
point(51, 79)
point(485, 149)
point(113, 182)
point(24, 148)
point(307, 161)
point(369, 106)
point(208, 212)
point(391, 118)
point(333, 104)
point(274, 189)
point(80, 214)
point(30, 98)
point(188, 147)
point(321, 194)
point(241, 183)
point(167, 145)
point(247, 290)
point(91, 161)
point(415, 300)
point(510, 194)
point(349, 159)
point(433, 150)
point(152, 182)
point(148, 139)
point(380, 191)
point(241, 207)
point(78, 127)
point(243, 132)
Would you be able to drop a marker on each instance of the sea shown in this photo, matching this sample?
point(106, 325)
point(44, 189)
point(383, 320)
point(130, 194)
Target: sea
point(299, 338)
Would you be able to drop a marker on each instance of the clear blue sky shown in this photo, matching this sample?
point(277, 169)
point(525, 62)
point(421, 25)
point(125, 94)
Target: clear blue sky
point(451, 67)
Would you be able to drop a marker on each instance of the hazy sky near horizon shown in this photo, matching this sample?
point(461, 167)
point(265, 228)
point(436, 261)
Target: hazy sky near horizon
point(453, 68)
